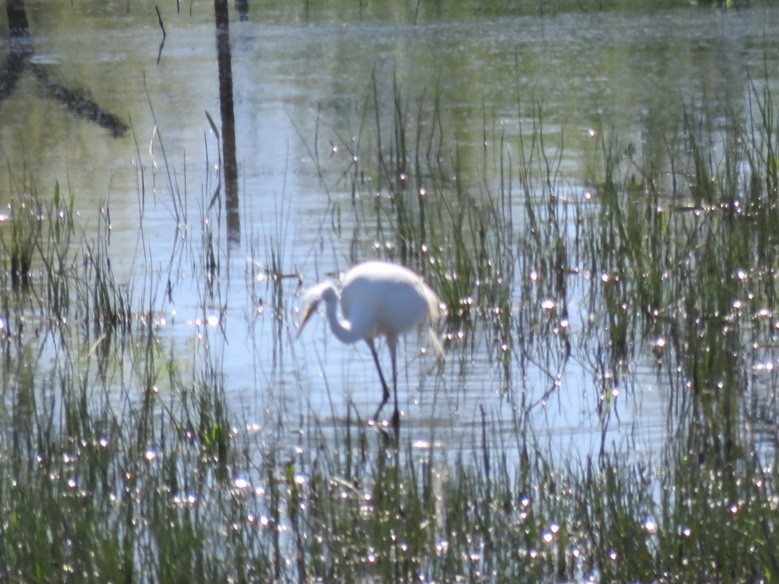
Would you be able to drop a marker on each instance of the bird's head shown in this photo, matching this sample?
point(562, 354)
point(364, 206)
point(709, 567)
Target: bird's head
point(311, 299)
point(306, 315)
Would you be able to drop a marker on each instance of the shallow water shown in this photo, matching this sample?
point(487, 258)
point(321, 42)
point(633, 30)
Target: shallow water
point(297, 77)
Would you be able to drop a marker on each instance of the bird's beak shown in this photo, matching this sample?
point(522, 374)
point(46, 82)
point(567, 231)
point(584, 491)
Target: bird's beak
point(306, 316)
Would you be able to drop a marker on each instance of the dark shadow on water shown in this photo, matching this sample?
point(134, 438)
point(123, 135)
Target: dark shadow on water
point(19, 60)
point(242, 6)
point(230, 166)
point(20, 49)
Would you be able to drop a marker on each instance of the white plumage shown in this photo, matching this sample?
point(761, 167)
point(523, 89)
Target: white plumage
point(377, 299)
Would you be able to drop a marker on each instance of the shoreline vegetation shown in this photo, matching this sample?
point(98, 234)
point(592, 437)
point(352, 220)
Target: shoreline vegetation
point(121, 461)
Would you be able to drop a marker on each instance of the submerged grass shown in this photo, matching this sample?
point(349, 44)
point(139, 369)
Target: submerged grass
point(671, 259)
point(121, 459)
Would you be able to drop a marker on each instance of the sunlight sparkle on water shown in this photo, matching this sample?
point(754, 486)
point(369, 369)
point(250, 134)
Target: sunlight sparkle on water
point(210, 320)
point(241, 483)
point(186, 500)
point(650, 525)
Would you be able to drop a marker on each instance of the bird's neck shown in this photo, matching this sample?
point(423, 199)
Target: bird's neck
point(342, 329)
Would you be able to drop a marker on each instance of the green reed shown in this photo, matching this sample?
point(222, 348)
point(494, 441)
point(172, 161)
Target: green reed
point(675, 259)
point(122, 460)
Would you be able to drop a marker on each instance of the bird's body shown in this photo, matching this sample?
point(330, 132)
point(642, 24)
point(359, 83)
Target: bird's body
point(377, 299)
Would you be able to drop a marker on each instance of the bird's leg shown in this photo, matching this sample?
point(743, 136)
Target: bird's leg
point(385, 389)
point(393, 349)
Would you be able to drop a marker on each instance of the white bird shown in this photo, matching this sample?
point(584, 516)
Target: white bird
point(377, 298)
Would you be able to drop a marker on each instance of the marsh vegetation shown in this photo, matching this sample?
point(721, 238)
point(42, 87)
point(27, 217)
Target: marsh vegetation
point(606, 411)
point(121, 461)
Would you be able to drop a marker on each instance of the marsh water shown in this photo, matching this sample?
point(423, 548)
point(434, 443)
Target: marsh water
point(303, 77)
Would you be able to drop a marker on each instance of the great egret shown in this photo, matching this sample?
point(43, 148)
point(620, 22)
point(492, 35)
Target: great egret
point(377, 298)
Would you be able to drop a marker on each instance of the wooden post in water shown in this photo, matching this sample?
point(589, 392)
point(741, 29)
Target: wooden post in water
point(229, 164)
